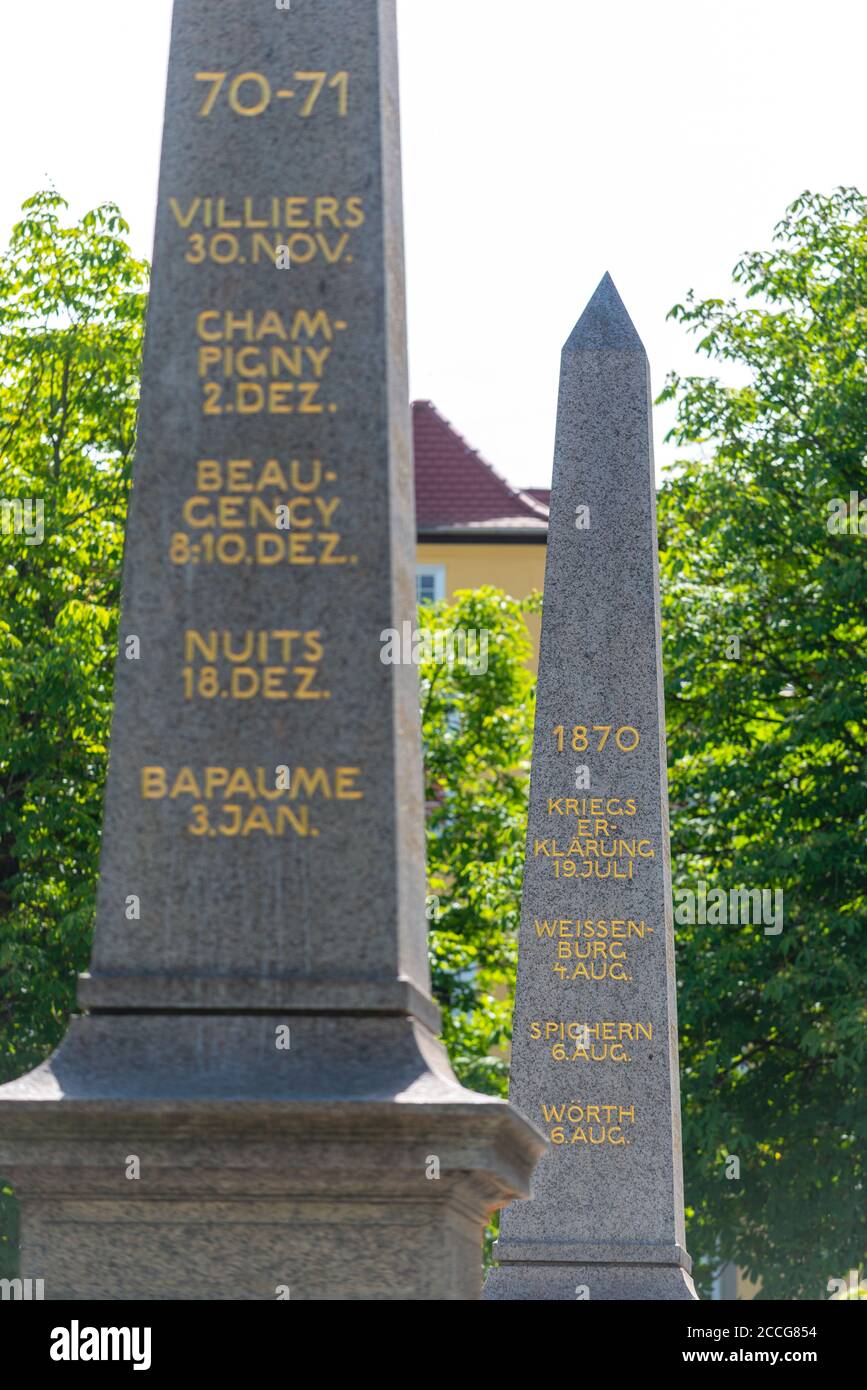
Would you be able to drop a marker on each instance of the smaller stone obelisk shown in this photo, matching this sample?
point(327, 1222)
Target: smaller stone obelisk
point(594, 1059)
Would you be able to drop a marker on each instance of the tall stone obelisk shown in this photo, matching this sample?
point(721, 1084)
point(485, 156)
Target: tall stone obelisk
point(594, 1059)
point(254, 1105)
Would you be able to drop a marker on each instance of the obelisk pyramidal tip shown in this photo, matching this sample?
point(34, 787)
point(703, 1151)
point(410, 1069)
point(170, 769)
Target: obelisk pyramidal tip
point(605, 325)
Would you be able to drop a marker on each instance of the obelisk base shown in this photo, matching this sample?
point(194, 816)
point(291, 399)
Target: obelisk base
point(167, 1157)
point(617, 1272)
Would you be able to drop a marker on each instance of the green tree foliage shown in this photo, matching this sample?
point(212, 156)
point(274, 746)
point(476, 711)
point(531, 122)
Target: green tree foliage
point(71, 317)
point(477, 729)
point(768, 751)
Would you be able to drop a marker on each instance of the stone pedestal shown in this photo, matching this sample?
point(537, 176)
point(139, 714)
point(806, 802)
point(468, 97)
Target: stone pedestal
point(619, 1274)
point(251, 1185)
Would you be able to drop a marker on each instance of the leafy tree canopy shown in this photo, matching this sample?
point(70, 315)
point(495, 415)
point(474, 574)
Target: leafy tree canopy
point(768, 750)
point(477, 729)
point(71, 316)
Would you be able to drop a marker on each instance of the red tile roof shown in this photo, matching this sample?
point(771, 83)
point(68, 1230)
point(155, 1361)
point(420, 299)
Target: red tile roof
point(457, 490)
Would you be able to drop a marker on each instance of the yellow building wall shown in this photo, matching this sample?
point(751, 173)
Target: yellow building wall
point(746, 1289)
point(516, 568)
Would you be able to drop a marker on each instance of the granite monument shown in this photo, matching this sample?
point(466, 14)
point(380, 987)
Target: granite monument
point(254, 1103)
point(594, 1053)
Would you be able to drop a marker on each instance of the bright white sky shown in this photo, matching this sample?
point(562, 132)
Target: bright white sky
point(545, 141)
